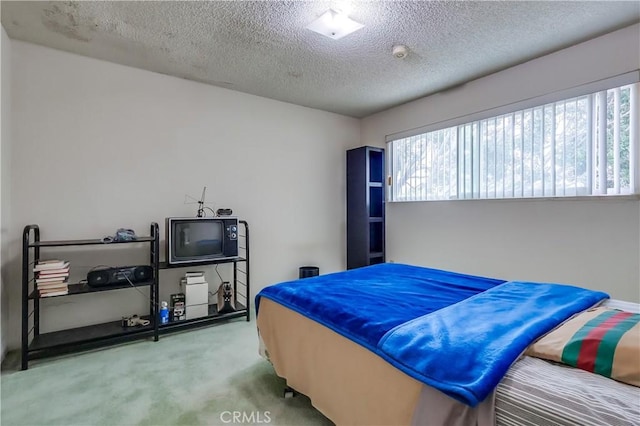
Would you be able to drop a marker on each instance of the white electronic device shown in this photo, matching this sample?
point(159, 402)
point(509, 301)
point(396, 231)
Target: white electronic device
point(196, 299)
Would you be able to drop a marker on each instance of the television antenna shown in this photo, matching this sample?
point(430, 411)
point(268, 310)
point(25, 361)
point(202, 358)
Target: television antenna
point(188, 199)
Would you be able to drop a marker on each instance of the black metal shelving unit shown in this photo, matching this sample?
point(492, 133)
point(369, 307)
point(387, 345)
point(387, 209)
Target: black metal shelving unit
point(36, 345)
point(241, 281)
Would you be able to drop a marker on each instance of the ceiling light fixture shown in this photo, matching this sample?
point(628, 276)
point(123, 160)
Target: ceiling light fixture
point(334, 24)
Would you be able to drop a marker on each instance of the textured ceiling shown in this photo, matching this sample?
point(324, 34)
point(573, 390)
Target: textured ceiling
point(263, 47)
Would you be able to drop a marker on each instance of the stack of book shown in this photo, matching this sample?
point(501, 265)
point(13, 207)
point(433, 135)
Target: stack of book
point(51, 277)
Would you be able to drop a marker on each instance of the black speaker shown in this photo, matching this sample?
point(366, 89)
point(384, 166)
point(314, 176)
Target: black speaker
point(119, 275)
point(309, 271)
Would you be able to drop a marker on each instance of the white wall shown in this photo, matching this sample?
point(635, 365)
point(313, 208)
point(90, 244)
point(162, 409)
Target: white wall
point(594, 243)
point(98, 146)
point(5, 142)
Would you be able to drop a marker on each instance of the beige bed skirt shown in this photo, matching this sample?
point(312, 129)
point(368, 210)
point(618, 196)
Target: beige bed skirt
point(350, 384)
point(353, 386)
point(334, 372)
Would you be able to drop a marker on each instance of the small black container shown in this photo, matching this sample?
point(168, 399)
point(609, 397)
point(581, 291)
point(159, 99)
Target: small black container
point(309, 271)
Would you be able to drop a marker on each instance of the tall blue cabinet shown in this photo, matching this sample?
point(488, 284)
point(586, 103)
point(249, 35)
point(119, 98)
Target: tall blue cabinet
point(365, 206)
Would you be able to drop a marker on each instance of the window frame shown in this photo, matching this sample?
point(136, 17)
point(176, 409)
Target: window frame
point(625, 79)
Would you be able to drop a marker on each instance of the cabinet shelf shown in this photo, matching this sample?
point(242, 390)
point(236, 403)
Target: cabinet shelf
point(241, 311)
point(86, 335)
point(64, 243)
point(82, 288)
point(365, 206)
point(165, 265)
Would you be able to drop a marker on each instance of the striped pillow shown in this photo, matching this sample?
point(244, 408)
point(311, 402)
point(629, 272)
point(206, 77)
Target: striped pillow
point(600, 340)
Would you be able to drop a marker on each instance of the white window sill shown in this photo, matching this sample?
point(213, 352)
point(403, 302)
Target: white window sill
point(629, 197)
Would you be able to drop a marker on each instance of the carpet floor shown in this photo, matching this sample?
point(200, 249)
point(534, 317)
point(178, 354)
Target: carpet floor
point(207, 376)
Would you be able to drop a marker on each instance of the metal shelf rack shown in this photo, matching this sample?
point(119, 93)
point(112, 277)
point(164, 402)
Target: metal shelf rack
point(37, 345)
point(241, 281)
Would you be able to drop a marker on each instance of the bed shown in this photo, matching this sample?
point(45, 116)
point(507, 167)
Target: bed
point(329, 337)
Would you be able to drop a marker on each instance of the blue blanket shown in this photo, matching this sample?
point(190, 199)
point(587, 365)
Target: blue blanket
point(457, 333)
point(465, 349)
point(363, 304)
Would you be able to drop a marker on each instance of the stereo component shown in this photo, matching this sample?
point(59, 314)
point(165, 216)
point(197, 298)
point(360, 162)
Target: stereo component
point(119, 275)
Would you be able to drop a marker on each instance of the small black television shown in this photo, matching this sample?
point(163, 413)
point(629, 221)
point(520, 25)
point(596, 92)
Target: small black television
point(201, 239)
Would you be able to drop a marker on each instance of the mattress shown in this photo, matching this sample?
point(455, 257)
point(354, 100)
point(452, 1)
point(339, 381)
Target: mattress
point(351, 385)
point(536, 392)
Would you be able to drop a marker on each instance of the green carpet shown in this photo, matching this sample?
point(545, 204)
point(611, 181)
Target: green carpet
point(207, 376)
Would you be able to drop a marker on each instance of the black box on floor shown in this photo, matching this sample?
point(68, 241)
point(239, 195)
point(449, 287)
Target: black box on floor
point(177, 307)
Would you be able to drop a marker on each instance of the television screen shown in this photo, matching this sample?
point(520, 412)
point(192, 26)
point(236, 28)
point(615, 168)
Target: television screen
point(194, 239)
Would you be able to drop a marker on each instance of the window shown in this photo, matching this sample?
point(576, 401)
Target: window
point(581, 146)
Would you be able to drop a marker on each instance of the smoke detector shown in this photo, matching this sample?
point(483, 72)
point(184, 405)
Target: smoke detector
point(400, 51)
